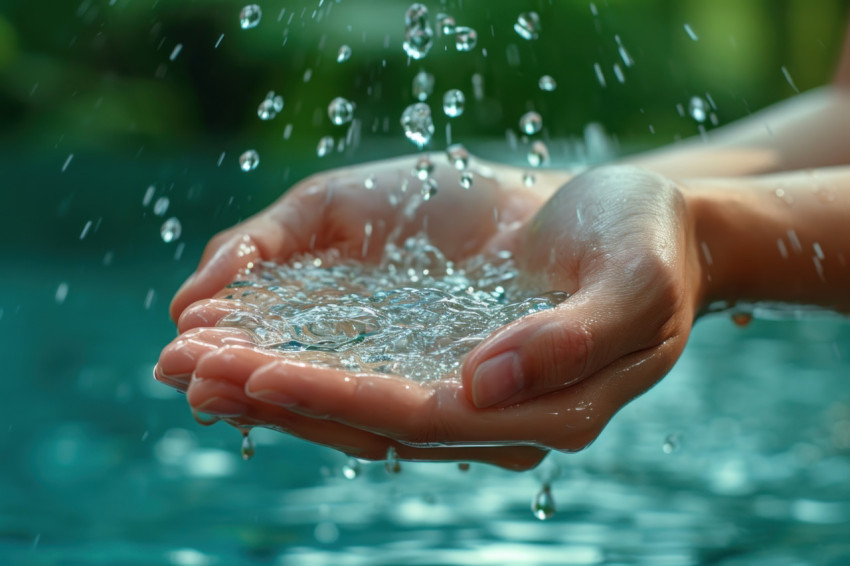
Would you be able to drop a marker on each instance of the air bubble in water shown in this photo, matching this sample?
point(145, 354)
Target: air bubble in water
point(530, 123)
point(418, 41)
point(528, 25)
point(344, 54)
point(423, 85)
point(392, 465)
point(446, 24)
point(538, 154)
point(249, 160)
point(429, 188)
point(247, 446)
point(250, 16)
point(160, 207)
point(458, 156)
point(423, 168)
point(465, 38)
point(340, 111)
point(543, 505)
point(170, 230)
point(326, 145)
point(417, 123)
point(671, 444)
point(547, 83)
point(466, 180)
point(351, 469)
point(698, 109)
point(453, 103)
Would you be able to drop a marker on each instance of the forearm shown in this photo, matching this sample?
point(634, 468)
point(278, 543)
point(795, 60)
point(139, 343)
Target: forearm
point(782, 237)
point(809, 130)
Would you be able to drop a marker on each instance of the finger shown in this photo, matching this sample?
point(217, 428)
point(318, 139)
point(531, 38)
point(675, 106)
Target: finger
point(177, 360)
point(217, 388)
point(443, 416)
point(553, 349)
point(207, 313)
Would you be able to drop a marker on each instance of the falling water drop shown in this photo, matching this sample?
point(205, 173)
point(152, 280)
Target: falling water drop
point(418, 41)
point(249, 160)
point(250, 16)
point(340, 111)
point(446, 24)
point(247, 445)
point(543, 505)
point(466, 180)
point(530, 123)
point(465, 38)
point(528, 179)
point(423, 85)
point(160, 207)
point(429, 188)
point(458, 156)
point(698, 109)
point(369, 183)
point(344, 54)
point(418, 124)
point(170, 230)
point(547, 83)
point(527, 25)
point(538, 154)
point(326, 145)
point(351, 469)
point(423, 168)
point(266, 109)
point(671, 444)
point(453, 103)
point(392, 465)
point(416, 15)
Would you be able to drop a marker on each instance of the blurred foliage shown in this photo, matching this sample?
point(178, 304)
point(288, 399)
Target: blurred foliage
point(96, 78)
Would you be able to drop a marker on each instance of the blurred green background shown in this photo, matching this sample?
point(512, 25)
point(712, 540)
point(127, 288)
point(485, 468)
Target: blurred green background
point(96, 79)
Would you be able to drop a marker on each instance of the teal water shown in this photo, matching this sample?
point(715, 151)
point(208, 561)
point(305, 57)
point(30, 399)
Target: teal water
point(102, 465)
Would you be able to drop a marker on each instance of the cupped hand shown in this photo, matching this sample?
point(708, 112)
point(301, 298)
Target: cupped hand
point(620, 241)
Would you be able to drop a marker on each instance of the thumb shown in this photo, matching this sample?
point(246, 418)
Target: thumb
point(548, 351)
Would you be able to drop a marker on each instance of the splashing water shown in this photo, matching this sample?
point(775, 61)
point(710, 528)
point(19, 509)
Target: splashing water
point(416, 314)
point(418, 35)
point(418, 124)
point(249, 160)
point(250, 16)
point(453, 103)
point(458, 156)
point(269, 108)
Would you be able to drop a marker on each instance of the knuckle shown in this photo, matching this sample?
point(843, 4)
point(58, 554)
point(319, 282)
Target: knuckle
point(563, 350)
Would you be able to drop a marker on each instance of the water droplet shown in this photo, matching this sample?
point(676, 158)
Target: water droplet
point(423, 168)
point(266, 109)
point(463, 466)
point(249, 160)
point(250, 16)
point(466, 180)
point(344, 54)
point(416, 15)
point(691, 33)
point(543, 505)
point(458, 156)
point(453, 103)
point(160, 207)
point(61, 292)
point(547, 83)
point(340, 111)
point(369, 183)
point(392, 465)
point(170, 230)
point(247, 446)
point(528, 25)
point(175, 52)
point(742, 319)
point(446, 24)
point(351, 469)
point(698, 109)
point(530, 123)
point(423, 85)
point(417, 123)
point(326, 145)
point(429, 188)
point(465, 38)
point(538, 154)
point(528, 179)
point(671, 444)
point(418, 41)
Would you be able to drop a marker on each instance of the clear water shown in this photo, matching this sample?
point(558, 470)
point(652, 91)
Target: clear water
point(413, 315)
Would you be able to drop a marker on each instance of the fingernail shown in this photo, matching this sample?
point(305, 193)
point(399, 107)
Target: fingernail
point(497, 380)
point(272, 397)
point(222, 407)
